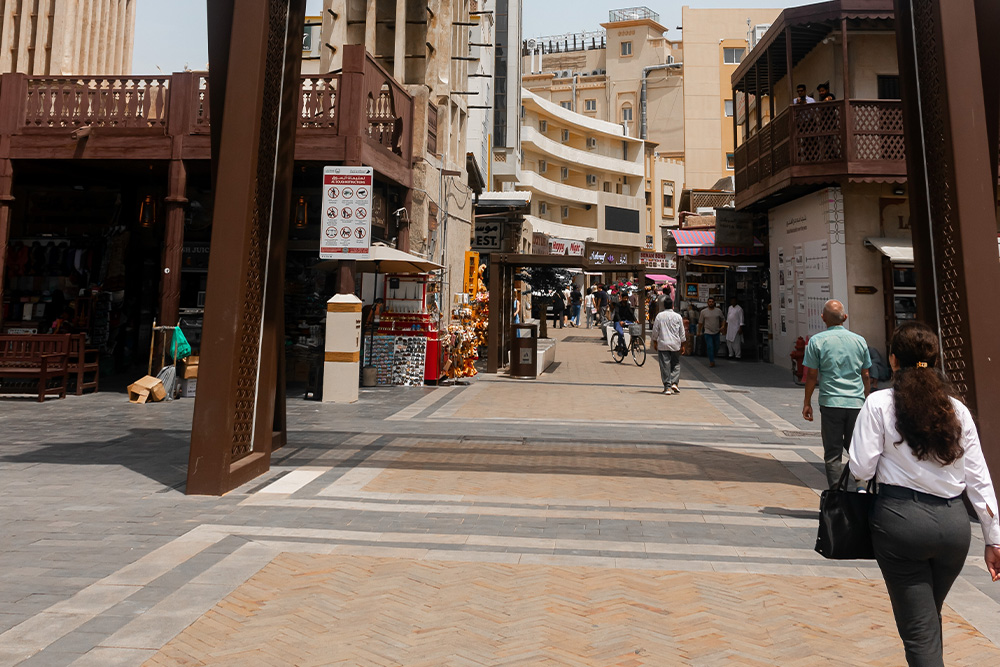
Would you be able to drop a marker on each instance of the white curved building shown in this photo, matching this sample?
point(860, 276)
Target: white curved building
point(585, 175)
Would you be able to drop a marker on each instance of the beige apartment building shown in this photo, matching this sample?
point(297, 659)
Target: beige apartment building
point(59, 37)
point(675, 94)
point(584, 175)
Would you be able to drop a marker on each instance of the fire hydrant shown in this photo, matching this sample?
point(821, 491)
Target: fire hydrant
point(797, 355)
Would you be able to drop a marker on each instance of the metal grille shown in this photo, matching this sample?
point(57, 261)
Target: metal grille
point(944, 230)
point(253, 295)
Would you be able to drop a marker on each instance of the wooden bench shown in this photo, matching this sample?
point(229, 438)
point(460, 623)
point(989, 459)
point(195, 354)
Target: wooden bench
point(40, 358)
point(83, 360)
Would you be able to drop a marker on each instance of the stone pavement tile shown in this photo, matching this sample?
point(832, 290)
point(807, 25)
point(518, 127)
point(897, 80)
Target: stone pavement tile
point(419, 612)
point(113, 657)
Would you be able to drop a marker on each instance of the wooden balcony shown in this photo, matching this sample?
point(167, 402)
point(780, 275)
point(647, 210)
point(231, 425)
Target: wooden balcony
point(826, 142)
point(360, 114)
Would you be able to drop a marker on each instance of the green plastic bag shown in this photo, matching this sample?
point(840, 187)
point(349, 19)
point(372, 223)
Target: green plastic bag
point(180, 348)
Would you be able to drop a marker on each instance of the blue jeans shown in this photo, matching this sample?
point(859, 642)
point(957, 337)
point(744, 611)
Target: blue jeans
point(711, 345)
point(574, 315)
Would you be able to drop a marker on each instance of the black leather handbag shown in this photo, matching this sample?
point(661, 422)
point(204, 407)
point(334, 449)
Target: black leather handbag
point(844, 533)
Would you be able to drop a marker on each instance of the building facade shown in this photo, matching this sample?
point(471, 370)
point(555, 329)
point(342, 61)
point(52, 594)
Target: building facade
point(828, 179)
point(62, 37)
point(585, 175)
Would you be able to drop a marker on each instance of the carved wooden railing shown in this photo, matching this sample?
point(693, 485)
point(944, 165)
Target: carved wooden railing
point(319, 102)
point(838, 135)
point(114, 102)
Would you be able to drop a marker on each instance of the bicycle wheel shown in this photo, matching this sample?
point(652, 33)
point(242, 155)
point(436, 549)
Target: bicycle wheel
point(617, 347)
point(638, 351)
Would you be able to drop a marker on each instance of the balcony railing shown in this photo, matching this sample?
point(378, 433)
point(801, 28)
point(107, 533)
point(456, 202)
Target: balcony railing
point(837, 138)
point(180, 104)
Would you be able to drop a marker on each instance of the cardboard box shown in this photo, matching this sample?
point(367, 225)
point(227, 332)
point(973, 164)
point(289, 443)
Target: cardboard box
point(189, 387)
point(146, 389)
point(188, 368)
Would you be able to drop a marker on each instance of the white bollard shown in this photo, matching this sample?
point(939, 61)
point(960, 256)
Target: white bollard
point(343, 349)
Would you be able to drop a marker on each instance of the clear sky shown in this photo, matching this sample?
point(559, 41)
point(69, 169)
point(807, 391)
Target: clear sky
point(172, 34)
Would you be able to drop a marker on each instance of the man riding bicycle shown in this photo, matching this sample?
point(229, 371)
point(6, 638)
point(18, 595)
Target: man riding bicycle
point(623, 316)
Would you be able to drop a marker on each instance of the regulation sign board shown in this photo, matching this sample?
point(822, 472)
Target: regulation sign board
point(733, 228)
point(347, 213)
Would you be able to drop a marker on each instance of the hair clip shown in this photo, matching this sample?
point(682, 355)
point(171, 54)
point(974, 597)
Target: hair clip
point(921, 364)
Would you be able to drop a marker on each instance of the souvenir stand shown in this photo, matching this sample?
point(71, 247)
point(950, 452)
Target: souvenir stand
point(406, 349)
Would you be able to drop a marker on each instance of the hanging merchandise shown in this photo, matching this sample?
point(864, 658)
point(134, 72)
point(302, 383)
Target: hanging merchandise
point(467, 334)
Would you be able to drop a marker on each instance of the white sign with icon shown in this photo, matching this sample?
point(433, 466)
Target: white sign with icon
point(347, 213)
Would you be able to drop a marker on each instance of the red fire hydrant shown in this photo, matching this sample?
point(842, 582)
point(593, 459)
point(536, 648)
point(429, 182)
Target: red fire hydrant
point(797, 355)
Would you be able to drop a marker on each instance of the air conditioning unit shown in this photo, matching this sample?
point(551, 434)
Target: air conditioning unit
point(543, 208)
point(565, 212)
point(591, 179)
point(591, 143)
point(565, 136)
point(565, 74)
point(542, 166)
point(670, 60)
point(543, 126)
point(595, 72)
point(564, 173)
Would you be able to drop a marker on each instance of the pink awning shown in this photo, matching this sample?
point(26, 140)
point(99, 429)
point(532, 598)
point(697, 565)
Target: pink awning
point(700, 242)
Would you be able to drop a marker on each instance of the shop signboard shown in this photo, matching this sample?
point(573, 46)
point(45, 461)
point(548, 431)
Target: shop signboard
point(347, 213)
point(487, 236)
point(539, 244)
point(471, 276)
point(733, 228)
point(600, 255)
point(658, 260)
point(565, 247)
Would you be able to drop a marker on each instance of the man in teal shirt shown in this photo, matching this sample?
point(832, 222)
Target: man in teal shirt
point(838, 360)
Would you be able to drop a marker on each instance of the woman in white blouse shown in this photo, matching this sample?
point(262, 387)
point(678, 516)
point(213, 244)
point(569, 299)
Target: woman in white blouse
point(922, 446)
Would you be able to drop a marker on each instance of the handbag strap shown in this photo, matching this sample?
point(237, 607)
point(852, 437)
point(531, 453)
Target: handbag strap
point(872, 486)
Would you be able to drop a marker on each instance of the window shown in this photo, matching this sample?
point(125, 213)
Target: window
point(729, 108)
point(566, 105)
point(522, 112)
point(732, 56)
point(543, 208)
point(565, 211)
point(542, 166)
point(590, 105)
point(888, 87)
point(730, 161)
point(543, 126)
point(667, 191)
point(607, 186)
point(626, 113)
point(565, 136)
point(626, 48)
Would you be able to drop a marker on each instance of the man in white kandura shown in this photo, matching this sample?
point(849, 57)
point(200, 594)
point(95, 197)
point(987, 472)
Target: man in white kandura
point(734, 329)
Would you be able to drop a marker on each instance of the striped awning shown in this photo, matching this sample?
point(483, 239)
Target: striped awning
point(701, 242)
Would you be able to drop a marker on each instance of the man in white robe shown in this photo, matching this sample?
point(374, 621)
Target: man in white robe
point(734, 329)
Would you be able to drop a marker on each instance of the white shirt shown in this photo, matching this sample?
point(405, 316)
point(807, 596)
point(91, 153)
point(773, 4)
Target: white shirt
point(873, 445)
point(734, 320)
point(668, 331)
point(588, 302)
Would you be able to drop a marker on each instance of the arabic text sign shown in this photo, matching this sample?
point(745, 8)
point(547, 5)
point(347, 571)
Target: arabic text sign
point(487, 236)
point(347, 213)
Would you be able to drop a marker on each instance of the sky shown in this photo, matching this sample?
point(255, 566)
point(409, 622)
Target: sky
point(172, 35)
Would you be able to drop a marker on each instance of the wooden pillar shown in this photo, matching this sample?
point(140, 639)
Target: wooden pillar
point(173, 243)
point(353, 119)
point(12, 90)
point(847, 131)
point(399, 57)
point(788, 63)
point(757, 100)
point(770, 85)
point(952, 205)
point(6, 200)
point(255, 50)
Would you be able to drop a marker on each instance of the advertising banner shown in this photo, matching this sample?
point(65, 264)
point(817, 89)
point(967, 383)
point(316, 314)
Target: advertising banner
point(347, 213)
point(471, 276)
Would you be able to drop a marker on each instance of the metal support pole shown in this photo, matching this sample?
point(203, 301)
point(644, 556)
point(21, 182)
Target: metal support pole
point(954, 226)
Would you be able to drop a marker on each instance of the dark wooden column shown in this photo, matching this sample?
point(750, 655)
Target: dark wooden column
point(353, 119)
point(173, 244)
point(12, 93)
point(6, 200)
point(847, 122)
point(952, 206)
point(255, 49)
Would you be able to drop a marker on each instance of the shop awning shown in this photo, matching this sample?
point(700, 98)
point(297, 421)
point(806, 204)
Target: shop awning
point(660, 278)
point(700, 242)
point(898, 250)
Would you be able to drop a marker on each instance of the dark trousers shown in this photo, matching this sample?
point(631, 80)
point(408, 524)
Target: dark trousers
point(670, 367)
point(921, 542)
point(837, 428)
point(711, 346)
point(557, 319)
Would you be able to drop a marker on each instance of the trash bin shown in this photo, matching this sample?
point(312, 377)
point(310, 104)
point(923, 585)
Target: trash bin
point(524, 351)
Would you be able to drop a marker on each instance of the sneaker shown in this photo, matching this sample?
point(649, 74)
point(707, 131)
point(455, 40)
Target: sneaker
point(666, 390)
point(675, 389)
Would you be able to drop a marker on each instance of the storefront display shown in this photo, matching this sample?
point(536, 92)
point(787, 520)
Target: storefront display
point(408, 321)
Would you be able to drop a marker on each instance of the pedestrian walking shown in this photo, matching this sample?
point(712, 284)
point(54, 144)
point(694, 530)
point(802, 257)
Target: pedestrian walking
point(838, 361)
point(576, 303)
point(558, 308)
point(668, 337)
point(590, 308)
point(734, 329)
point(921, 445)
point(601, 301)
point(709, 325)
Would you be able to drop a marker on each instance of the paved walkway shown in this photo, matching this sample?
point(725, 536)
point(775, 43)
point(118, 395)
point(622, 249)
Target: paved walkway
point(501, 523)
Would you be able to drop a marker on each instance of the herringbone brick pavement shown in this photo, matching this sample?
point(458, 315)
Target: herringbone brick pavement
point(358, 610)
point(618, 472)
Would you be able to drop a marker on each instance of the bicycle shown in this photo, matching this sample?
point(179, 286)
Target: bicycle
point(636, 346)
